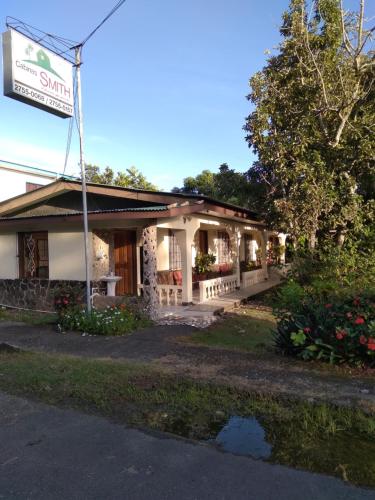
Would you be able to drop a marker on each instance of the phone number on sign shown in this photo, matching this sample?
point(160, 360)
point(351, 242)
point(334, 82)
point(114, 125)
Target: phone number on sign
point(29, 93)
point(48, 101)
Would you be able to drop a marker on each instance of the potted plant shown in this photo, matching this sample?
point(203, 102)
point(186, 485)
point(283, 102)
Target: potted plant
point(203, 263)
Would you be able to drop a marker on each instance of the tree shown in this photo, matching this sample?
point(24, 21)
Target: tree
point(203, 183)
point(226, 185)
point(314, 119)
point(132, 178)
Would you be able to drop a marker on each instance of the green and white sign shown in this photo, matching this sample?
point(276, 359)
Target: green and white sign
point(37, 76)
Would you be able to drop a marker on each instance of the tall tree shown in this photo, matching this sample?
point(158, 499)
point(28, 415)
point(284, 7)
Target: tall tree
point(131, 178)
point(314, 119)
point(226, 185)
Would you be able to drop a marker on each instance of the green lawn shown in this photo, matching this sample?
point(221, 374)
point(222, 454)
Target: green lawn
point(29, 317)
point(321, 438)
point(248, 329)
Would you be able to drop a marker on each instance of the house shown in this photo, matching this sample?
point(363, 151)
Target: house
point(16, 179)
point(149, 239)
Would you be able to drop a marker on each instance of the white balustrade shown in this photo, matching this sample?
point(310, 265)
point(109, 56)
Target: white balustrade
point(250, 278)
point(209, 289)
point(168, 294)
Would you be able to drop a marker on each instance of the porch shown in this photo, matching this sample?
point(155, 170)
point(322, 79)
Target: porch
point(202, 314)
point(165, 260)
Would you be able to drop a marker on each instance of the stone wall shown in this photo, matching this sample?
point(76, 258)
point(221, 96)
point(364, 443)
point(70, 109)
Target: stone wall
point(150, 270)
point(103, 253)
point(37, 293)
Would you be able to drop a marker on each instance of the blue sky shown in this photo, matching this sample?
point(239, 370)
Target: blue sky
point(164, 84)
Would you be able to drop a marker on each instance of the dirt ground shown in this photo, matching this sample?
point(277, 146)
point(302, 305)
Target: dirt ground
point(168, 347)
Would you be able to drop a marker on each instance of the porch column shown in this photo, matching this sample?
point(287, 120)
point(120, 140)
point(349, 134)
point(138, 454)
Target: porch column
point(186, 240)
point(237, 267)
point(150, 270)
point(282, 240)
point(264, 239)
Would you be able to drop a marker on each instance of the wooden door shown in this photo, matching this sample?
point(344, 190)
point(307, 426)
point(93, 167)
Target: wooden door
point(203, 241)
point(126, 262)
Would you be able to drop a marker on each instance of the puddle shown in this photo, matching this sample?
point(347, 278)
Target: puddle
point(349, 454)
point(244, 436)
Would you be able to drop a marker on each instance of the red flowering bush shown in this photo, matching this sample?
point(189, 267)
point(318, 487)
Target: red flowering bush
point(340, 331)
point(67, 298)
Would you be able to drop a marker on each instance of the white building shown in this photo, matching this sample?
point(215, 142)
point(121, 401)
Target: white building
point(18, 179)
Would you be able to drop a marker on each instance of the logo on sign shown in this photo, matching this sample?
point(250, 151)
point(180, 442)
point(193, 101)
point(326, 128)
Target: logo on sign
point(42, 60)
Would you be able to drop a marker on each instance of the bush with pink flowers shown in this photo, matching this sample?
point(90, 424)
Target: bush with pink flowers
point(339, 331)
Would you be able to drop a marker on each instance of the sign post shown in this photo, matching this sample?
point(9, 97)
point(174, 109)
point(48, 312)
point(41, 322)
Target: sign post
point(39, 77)
point(78, 51)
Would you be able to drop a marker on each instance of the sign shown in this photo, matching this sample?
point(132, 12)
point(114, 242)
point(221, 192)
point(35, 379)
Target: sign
point(37, 76)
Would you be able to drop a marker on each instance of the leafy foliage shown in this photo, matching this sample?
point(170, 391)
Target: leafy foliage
point(338, 332)
point(204, 262)
point(226, 185)
point(313, 122)
point(132, 178)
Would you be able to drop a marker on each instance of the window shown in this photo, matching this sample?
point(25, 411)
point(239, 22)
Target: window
point(31, 186)
point(175, 262)
point(223, 247)
point(248, 247)
point(33, 255)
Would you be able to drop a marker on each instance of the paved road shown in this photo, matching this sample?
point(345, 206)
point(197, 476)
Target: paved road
point(49, 453)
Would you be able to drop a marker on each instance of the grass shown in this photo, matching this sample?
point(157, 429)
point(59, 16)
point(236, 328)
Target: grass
point(30, 317)
point(248, 329)
point(322, 438)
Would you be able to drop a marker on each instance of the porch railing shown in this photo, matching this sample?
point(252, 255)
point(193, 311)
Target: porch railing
point(168, 294)
point(209, 289)
point(250, 278)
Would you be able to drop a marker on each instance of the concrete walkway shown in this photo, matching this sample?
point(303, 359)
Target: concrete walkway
point(203, 314)
point(52, 454)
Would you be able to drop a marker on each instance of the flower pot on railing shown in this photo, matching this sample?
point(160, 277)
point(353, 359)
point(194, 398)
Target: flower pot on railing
point(203, 264)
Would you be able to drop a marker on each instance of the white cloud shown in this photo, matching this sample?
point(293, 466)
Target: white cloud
point(38, 156)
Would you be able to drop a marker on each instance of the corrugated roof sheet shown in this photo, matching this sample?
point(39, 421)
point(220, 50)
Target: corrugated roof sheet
point(158, 208)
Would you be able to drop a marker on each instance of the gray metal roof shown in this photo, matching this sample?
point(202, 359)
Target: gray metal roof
point(158, 208)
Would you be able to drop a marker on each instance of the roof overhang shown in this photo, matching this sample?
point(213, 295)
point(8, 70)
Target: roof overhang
point(176, 203)
point(170, 211)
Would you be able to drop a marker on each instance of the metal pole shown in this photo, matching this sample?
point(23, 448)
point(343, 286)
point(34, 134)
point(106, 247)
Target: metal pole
point(78, 51)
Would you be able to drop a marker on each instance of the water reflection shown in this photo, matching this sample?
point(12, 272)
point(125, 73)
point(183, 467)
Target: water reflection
point(244, 436)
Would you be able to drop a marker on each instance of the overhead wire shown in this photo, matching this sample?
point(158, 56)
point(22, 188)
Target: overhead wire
point(110, 14)
point(70, 127)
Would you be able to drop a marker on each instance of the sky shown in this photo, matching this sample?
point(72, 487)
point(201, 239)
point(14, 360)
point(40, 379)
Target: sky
point(164, 85)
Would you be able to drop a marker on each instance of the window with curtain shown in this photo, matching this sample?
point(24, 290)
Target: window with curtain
point(175, 262)
point(223, 247)
point(33, 255)
point(248, 238)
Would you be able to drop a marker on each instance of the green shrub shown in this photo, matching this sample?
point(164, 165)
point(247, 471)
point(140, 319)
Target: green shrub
point(204, 262)
point(109, 321)
point(341, 331)
point(289, 297)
